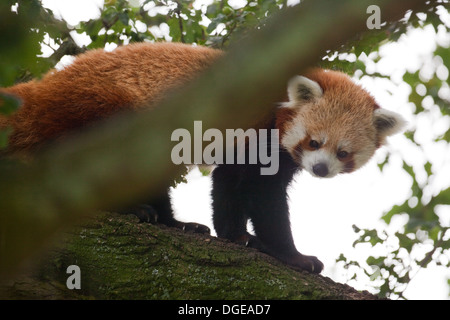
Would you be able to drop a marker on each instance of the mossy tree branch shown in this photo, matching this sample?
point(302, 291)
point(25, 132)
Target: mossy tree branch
point(121, 259)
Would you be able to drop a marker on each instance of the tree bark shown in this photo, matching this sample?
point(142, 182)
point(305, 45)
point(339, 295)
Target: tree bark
point(120, 258)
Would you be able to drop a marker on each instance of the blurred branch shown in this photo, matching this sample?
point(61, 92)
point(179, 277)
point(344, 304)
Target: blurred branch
point(128, 157)
point(68, 47)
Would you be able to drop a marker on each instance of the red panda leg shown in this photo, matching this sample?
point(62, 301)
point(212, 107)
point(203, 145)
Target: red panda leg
point(240, 193)
point(273, 230)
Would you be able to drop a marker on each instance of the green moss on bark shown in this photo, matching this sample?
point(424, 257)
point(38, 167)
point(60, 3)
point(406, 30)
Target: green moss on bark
point(120, 258)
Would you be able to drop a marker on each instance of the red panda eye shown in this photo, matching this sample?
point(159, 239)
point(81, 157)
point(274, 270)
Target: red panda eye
point(314, 144)
point(342, 154)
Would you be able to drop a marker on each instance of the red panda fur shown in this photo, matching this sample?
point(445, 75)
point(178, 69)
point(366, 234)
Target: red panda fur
point(99, 84)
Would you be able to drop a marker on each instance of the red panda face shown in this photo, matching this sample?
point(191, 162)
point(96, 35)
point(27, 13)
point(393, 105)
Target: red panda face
point(330, 125)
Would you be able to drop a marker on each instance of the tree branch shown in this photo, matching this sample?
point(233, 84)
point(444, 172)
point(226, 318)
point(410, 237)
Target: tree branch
point(122, 259)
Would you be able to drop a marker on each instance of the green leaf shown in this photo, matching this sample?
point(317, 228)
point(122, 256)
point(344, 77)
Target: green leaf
point(123, 17)
point(405, 241)
point(443, 197)
point(404, 208)
point(175, 31)
point(427, 168)
point(372, 261)
point(382, 164)
point(92, 28)
point(369, 236)
point(220, 18)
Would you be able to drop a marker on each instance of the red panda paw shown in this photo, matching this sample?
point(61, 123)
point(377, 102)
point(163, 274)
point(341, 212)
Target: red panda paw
point(250, 241)
point(307, 263)
point(145, 213)
point(193, 227)
point(148, 214)
point(187, 226)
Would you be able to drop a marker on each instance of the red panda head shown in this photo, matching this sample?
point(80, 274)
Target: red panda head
point(331, 125)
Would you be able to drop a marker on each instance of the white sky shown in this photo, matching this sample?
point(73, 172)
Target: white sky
point(323, 211)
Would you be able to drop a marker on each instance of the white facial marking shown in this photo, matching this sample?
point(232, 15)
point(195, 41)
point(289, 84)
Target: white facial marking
point(293, 136)
point(311, 158)
point(322, 138)
point(302, 93)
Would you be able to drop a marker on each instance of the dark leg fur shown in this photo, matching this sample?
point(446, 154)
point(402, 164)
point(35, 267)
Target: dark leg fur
point(240, 192)
point(160, 211)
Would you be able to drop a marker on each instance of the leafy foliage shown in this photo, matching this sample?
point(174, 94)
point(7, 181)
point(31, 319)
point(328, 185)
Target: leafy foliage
point(123, 21)
point(425, 238)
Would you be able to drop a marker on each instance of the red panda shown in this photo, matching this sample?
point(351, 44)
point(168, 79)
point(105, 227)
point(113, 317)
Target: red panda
point(329, 125)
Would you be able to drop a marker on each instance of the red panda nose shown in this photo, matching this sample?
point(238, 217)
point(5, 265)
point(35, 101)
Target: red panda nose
point(320, 169)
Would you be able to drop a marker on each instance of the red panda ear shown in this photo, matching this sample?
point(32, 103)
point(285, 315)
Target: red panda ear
point(387, 122)
point(302, 89)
